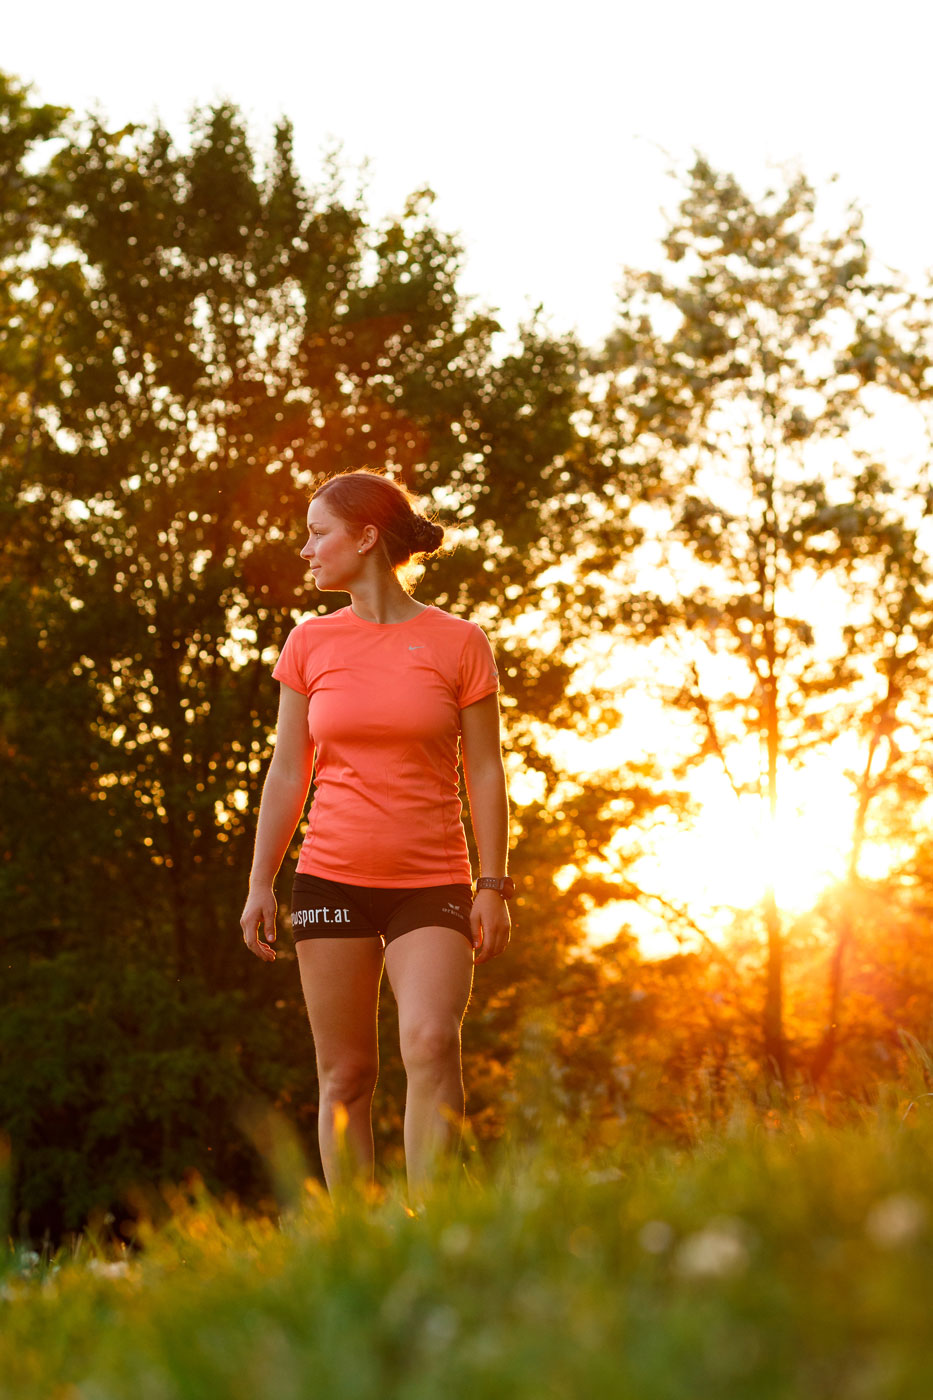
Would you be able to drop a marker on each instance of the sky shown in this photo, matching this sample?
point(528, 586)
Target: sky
point(546, 130)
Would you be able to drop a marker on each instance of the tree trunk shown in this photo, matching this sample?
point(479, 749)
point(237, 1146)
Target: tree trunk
point(774, 1044)
point(775, 1048)
point(823, 1055)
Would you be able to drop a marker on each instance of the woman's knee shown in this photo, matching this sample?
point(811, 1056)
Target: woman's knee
point(431, 1046)
point(348, 1081)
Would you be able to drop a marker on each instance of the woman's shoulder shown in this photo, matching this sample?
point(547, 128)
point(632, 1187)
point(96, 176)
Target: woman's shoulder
point(318, 622)
point(456, 623)
point(307, 636)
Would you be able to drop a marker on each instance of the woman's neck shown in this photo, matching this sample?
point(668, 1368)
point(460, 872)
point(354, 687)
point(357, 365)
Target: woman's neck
point(383, 599)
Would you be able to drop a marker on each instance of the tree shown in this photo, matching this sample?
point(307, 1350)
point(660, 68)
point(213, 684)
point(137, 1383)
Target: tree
point(731, 395)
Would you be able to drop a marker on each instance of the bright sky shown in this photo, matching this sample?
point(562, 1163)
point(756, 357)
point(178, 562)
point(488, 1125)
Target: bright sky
point(543, 127)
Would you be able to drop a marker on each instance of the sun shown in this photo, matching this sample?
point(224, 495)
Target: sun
point(733, 851)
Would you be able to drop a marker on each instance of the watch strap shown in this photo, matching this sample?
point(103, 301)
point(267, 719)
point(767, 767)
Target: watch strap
point(504, 887)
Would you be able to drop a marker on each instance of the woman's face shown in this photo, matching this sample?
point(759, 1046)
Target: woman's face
point(333, 551)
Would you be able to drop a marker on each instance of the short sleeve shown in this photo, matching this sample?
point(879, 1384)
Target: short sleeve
point(290, 666)
point(477, 675)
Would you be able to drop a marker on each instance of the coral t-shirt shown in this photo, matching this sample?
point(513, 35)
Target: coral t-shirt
point(384, 702)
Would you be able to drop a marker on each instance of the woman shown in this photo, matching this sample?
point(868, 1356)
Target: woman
point(374, 698)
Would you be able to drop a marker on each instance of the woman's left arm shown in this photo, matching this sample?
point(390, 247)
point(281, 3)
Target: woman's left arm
point(489, 813)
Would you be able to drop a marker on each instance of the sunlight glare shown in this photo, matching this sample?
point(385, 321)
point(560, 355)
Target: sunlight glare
point(724, 862)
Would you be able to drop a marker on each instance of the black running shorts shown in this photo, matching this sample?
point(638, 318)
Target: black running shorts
point(328, 909)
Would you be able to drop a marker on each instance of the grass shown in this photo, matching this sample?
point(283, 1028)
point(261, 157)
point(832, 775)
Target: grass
point(779, 1260)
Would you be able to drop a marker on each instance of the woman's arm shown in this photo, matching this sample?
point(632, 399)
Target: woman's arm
point(284, 793)
point(489, 813)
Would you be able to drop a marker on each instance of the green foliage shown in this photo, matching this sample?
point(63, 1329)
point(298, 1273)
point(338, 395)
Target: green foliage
point(114, 1079)
point(23, 129)
point(778, 1258)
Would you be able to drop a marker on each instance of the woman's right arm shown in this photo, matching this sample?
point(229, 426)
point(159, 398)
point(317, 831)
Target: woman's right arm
point(284, 794)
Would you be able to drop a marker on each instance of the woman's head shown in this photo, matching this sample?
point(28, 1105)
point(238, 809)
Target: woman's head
point(383, 514)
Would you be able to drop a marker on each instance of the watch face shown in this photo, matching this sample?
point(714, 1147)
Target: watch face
point(505, 886)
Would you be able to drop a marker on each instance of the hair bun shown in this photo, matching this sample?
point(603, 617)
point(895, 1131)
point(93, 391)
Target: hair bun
point(426, 535)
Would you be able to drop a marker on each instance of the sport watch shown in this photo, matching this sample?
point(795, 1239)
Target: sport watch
point(505, 886)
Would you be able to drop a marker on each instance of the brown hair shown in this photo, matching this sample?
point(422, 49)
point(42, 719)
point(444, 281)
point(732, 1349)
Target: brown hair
point(367, 497)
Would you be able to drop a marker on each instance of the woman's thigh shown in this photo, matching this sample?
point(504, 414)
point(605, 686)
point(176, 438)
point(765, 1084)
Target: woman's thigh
point(431, 974)
point(340, 979)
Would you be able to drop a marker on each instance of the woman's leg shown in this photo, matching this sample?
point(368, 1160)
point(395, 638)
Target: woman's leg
point(431, 973)
point(340, 979)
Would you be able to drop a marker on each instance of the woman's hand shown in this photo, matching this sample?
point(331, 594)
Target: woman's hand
point(260, 910)
point(284, 794)
point(490, 923)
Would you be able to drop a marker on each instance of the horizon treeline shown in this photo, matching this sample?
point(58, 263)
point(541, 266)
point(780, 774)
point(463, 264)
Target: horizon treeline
point(189, 340)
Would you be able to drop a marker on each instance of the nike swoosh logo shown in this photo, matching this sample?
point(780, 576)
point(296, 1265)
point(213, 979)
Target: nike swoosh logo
point(421, 648)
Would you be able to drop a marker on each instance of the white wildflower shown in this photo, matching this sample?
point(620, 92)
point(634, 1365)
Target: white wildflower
point(655, 1236)
point(603, 1176)
point(896, 1220)
point(455, 1240)
point(439, 1328)
point(717, 1251)
point(118, 1269)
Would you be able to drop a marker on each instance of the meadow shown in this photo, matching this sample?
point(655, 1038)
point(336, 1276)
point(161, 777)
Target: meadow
point(777, 1257)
